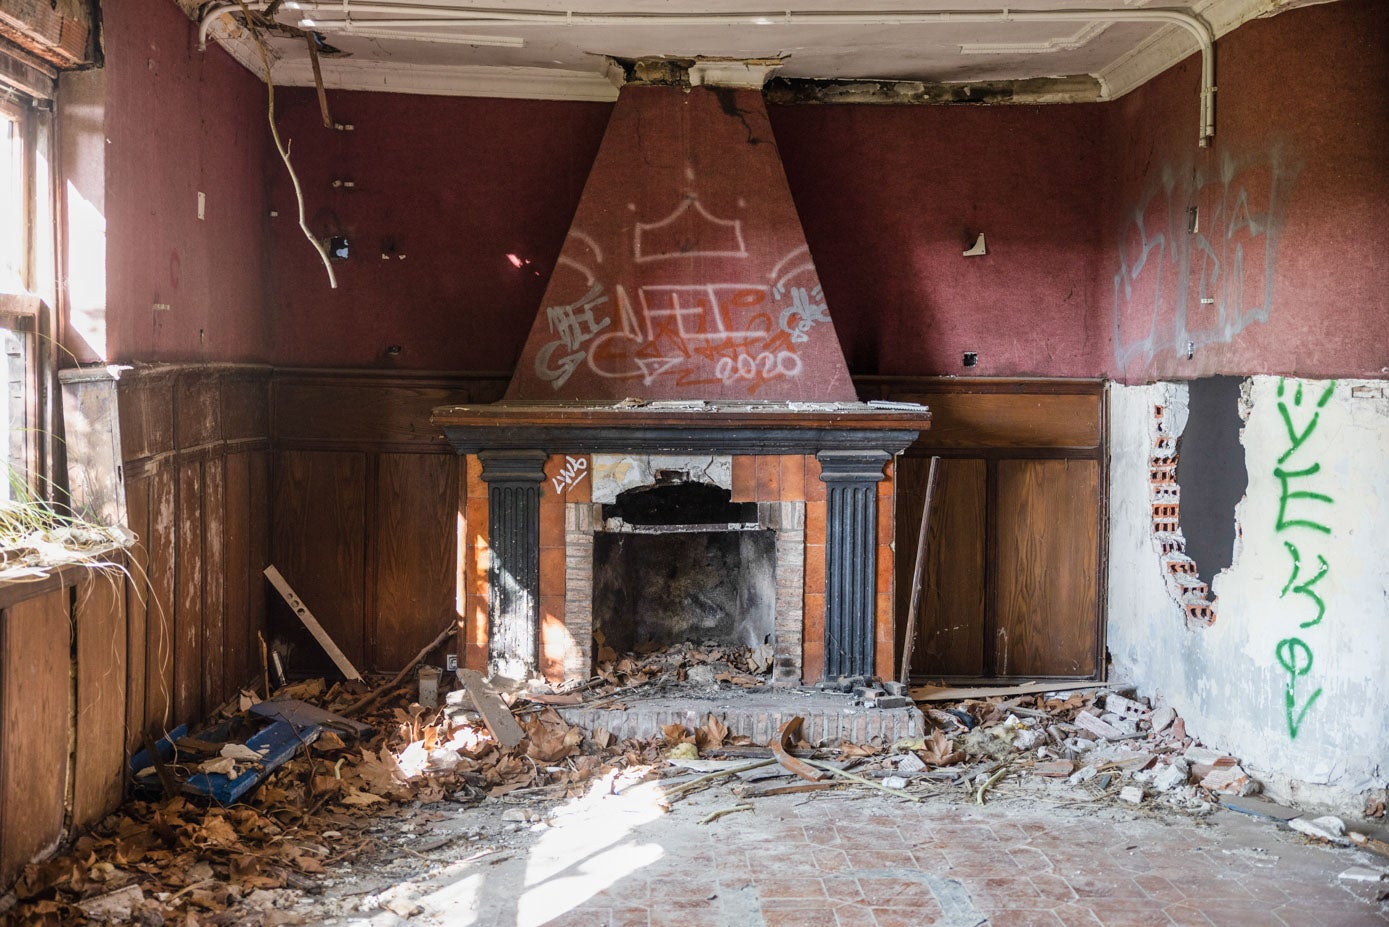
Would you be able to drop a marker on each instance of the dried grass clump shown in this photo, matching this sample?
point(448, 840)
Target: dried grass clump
point(35, 538)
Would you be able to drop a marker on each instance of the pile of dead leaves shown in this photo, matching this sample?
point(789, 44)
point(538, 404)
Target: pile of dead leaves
point(180, 861)
point(701, 664)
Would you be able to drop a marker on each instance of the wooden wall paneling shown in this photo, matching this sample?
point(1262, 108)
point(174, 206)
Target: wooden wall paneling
point(258, 519)
point(100, 623)
point(137, 592)
point(416, 537)
point(35, 707)
point(214, 580)
point(239, 574)
point(319, 544)
point(357, 407)
point(950, 624)
point(198, 407)
point(146, 409)
point(188, 593)
point(159, 616)
point(1048, 567)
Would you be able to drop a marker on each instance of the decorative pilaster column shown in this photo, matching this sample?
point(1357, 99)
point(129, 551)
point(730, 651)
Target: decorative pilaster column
point(851, 558)
point(513, 481)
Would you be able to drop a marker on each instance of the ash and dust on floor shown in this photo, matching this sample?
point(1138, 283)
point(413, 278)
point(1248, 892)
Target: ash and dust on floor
point(845, 859)
point(1004, 808)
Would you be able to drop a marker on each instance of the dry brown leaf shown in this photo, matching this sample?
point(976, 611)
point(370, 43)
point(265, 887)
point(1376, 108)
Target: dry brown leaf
point(714, 731)
point(859, 750)
point(940, 751)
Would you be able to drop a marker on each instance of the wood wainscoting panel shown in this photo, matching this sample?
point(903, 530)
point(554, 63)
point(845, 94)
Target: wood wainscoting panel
point(416, 554)
point(1048, 568)
point(950, 622)
point(35, 692)
point(188, 594)
point(99, 617)
point(319, 545)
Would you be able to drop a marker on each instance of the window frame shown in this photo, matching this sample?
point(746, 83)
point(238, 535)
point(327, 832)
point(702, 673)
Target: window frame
point(25, 312)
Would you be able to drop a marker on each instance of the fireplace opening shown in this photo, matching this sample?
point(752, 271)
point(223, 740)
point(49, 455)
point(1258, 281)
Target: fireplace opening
point(679, 562)
point(676, 500)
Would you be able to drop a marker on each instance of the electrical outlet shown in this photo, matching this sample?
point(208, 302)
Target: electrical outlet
point(451, 663)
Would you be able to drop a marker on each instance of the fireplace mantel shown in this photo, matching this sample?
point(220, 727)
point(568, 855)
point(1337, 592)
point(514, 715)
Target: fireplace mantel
point(851, 446)
point(635, 426)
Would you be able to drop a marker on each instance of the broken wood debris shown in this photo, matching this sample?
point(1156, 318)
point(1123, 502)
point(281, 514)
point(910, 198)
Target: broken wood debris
point(301, 611)
point(490, 706)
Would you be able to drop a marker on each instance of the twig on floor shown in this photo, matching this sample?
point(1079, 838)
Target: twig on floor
point(715, 815)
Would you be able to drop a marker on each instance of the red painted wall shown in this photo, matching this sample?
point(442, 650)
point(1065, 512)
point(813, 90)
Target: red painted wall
point(685, 274)
point(179, 121)
point(1289, 251)
point(456, 185)
point(890, 198)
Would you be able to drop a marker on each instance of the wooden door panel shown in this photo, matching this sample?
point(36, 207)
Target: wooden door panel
point(416, 537)
point(950, 626)
point(319, 545)
point(1048, 568)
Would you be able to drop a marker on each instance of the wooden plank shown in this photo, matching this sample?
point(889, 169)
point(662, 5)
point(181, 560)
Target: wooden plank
point(188, 594)
point(236, 546)
point(35, 708)
point(950, 631)
point(302, 612)
point(145, 398)
point(101, 680)
point(494, 712)
point(258, 474)
point(319, 546)
point(416, 548)
point(246, 404)
point(197, 407)
point(959, 693)
point(964, 420)
point(361, 410)
point(214, 582)
point(1048, 568)
point(137, 591)
point(159, 623)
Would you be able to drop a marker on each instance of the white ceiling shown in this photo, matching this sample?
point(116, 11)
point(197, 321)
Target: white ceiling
point(550, 59)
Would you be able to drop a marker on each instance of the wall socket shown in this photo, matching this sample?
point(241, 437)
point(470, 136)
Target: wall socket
point(451, 663)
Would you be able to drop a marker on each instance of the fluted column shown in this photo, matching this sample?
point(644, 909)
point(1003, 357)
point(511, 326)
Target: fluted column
point(513, 481)
point(851, 561)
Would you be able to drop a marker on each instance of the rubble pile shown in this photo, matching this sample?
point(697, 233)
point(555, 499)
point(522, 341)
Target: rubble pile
point(181, 858)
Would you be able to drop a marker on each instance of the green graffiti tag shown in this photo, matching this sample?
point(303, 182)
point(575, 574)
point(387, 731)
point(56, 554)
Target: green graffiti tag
point(1306, 588)
point(1297, 438)
point(1296, 659)
point(1294, 654)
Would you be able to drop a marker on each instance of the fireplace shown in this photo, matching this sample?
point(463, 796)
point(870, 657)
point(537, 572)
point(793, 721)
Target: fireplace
point(545, 480)
point(682, 398)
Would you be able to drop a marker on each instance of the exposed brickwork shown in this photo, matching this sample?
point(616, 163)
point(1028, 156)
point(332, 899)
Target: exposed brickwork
point(1179, 570)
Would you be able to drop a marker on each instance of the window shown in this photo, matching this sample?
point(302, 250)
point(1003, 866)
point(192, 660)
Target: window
point(22, 319)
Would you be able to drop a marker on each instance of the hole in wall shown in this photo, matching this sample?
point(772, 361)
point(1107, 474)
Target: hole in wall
point(1211, 473)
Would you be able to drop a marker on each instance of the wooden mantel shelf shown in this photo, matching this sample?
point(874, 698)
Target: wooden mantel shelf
point(682, 426)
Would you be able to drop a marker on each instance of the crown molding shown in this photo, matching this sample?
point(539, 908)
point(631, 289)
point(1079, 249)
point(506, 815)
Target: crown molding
point(1171, 45)
point(1165, 47)
point(433, 80)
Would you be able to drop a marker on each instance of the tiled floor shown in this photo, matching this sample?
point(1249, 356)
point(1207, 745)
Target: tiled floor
point(857, 859)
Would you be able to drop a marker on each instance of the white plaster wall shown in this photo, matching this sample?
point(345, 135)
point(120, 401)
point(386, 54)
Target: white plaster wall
point(1227, 680)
